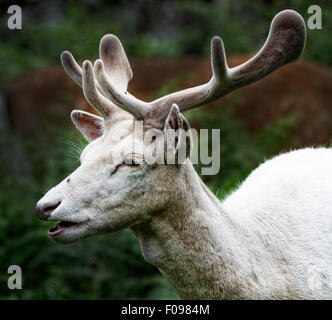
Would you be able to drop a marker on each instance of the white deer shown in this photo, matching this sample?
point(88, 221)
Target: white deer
point(270, 239)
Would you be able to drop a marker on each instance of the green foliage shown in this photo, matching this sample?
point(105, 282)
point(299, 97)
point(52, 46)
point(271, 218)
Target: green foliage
point(165, 28)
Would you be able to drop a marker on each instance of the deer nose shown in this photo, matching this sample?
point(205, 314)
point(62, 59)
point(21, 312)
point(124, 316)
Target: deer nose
point(44, 210)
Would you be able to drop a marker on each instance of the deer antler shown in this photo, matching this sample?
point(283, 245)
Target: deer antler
point(139, 109)
point(117, 67)
point(284, 44)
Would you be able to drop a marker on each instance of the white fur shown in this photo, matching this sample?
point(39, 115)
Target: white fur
point(286, 207)
point(270, 239)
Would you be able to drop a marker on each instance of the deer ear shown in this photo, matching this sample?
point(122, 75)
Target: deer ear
point(177, 131)
point(91, 126)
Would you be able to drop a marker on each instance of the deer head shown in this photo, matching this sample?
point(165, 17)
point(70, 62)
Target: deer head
point(114, 187)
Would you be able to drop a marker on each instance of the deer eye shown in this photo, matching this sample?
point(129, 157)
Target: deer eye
point(131, 163)
point(128, 162)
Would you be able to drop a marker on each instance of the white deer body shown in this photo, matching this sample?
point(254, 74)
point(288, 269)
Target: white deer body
point(270, 239)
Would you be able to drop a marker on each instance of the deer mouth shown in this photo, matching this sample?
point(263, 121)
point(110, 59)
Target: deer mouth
point(64, 225)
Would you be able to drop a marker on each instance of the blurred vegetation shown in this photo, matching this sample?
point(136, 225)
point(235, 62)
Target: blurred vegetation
point(111, 266)
point(146, 28)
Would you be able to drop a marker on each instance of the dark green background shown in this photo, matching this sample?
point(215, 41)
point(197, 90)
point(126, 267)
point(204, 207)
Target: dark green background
point(112, 267)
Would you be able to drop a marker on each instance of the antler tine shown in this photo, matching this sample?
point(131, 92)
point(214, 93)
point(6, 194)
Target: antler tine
point(115, 60)
point(74, 71)
point(284, 44)
point(113, 77)
point(91, 89)
point(113, 56)
point(123, 99)
point(92, 95)
point(117, 67)
point(71, 67)
point(218, 61)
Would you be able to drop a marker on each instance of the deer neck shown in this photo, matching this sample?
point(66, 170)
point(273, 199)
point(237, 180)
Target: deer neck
point(194, 243)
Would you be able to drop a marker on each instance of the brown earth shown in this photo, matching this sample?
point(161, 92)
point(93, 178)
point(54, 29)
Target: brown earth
point(46, 96)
